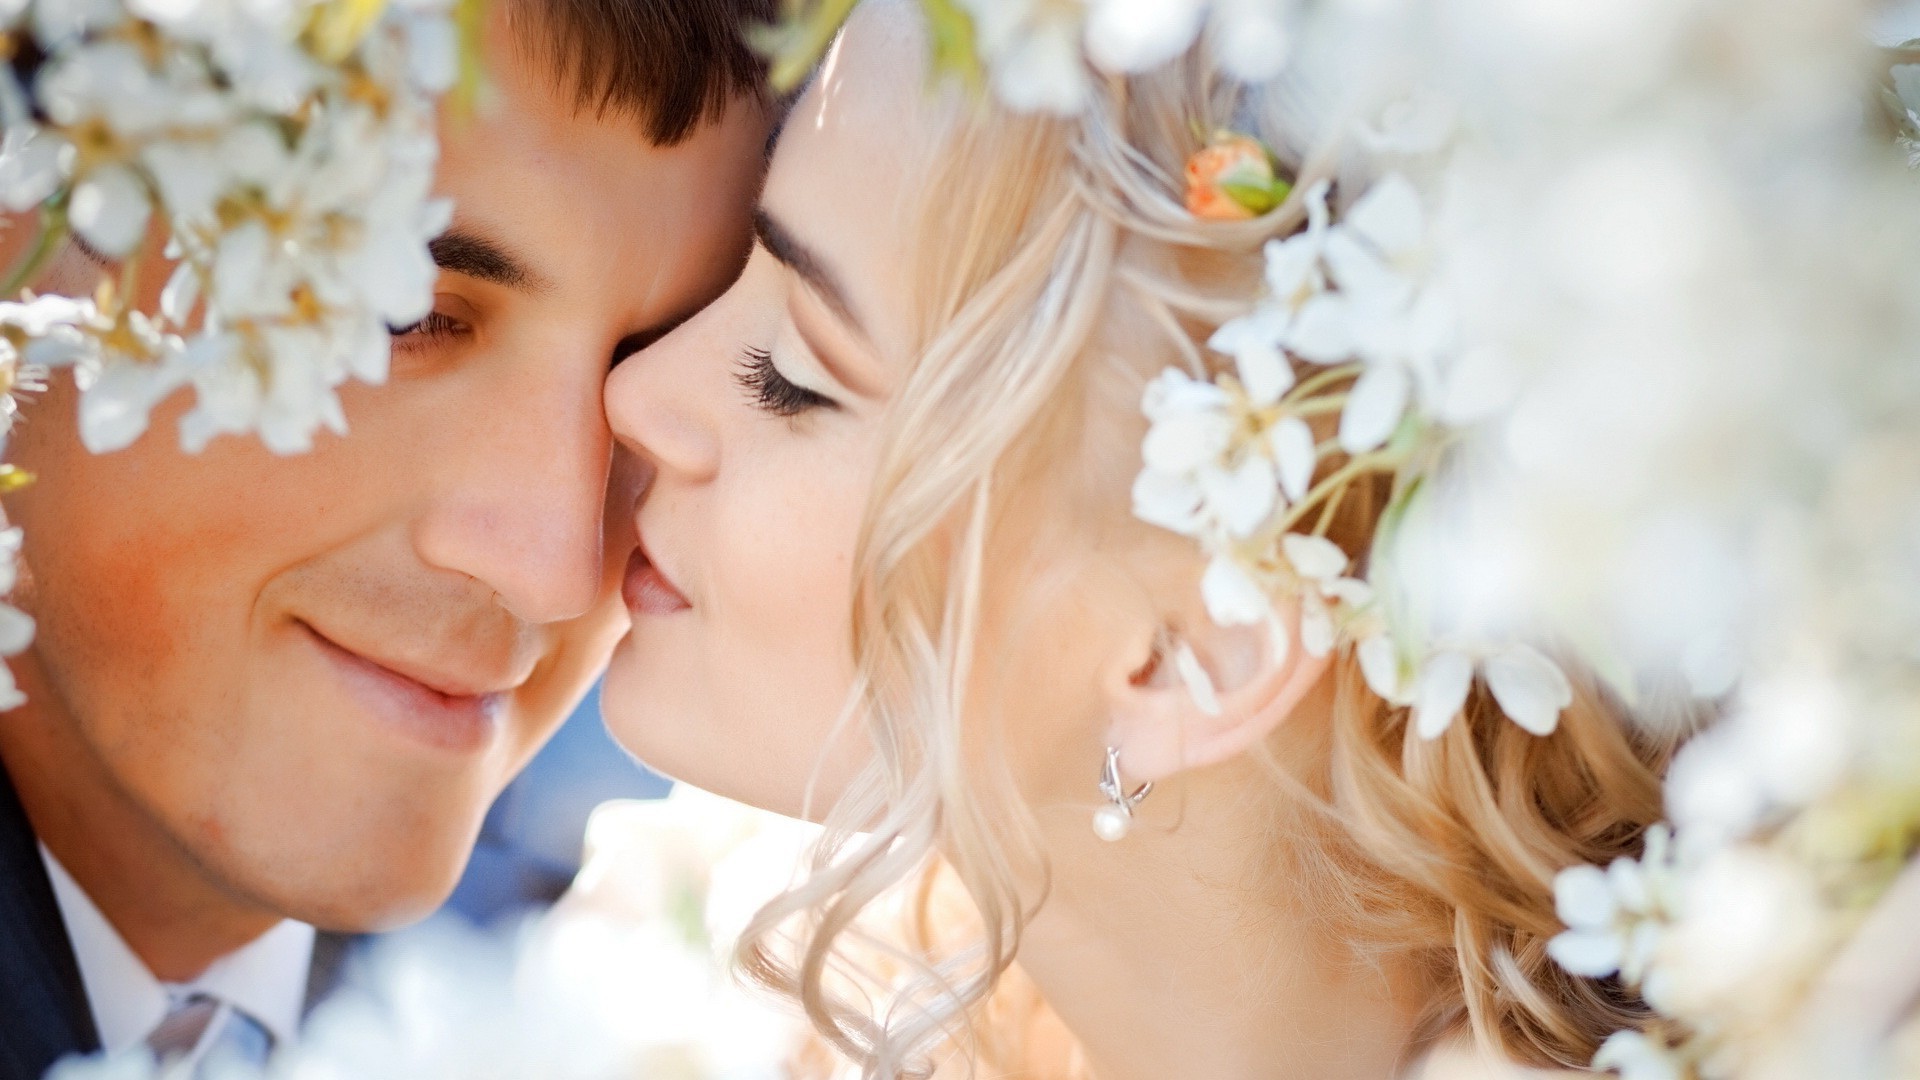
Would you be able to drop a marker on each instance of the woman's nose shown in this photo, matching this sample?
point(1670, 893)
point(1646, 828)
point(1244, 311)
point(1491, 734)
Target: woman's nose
point(660, 403)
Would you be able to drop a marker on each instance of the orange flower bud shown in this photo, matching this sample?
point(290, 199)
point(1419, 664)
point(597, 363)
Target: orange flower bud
point(1231, 179)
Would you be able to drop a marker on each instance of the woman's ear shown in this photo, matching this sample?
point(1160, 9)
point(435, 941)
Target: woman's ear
point(1196, 694)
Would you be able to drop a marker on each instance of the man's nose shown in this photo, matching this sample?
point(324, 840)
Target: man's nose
point(521, 506)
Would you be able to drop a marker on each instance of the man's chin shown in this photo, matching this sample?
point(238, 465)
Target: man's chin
point(392, 909)
point(378, 889)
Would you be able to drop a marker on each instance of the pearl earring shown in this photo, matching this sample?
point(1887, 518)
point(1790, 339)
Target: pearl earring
point(1114, 820)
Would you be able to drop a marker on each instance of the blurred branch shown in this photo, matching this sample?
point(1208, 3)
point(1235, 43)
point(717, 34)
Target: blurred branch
point(1872, 986)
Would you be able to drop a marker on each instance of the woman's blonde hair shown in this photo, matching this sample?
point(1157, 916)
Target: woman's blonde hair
point(1060, 270)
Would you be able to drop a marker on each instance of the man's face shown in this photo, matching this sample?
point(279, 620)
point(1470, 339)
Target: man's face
point(314, 673)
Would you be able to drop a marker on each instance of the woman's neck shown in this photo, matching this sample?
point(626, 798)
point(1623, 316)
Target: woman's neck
point(1176, 953)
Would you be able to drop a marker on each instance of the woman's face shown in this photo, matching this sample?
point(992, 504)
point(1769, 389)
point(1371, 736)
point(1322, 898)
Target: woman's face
point(762, 416)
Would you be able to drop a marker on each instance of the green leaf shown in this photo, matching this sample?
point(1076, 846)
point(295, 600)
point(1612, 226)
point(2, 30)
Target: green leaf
point(953, 46)
point(796, 44)
point(470, 29)
point(1258, 198)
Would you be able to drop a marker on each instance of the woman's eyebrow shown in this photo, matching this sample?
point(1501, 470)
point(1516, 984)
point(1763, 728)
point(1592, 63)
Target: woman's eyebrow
point(801, 259)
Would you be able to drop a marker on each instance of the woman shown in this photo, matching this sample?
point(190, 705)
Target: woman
point(891, 579)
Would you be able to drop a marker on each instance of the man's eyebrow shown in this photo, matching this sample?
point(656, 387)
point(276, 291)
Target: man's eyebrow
point(460, 251)
point(800, 259)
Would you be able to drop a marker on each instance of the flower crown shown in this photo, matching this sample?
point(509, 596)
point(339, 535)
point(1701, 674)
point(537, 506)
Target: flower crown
point(1349, 329)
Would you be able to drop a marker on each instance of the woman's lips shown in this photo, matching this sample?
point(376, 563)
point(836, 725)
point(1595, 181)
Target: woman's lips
point(463, 723)
point(647, 591)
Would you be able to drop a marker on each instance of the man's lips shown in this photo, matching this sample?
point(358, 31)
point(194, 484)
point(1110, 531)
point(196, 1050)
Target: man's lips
point(437, 707)
point(647, 590)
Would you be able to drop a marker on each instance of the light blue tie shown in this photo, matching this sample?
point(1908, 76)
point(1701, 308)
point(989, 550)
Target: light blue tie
point(242, 1040)
point(238, 1039)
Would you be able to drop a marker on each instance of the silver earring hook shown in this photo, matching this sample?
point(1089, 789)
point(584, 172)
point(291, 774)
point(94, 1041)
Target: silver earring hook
point(1114, 820)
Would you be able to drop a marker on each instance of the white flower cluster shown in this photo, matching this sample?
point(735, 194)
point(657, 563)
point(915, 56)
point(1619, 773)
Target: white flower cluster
point(1231, 461)
point(1710, 478)
point(285, 147)
point(1681, 428)
point(1044, 54)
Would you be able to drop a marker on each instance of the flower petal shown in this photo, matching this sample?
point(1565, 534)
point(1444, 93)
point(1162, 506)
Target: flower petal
point(114, 409)
point(1627, 880)
point(16, 630)
point(10, 695)
point(1199, 683)
point(1128, 36)
point(1374, 408)
point(1232, 596)
point(1444, 681)
point(1583, 898)
point(1169, 501)
point(1316, 626)
point(1388, 216)
point(1530, 688)
point(190, 178)
point(1184, 441)
point(1291, 268)
point(33, 164)
point(1323, 330)
point(1315, 558)
point(1352, 592)
point(1174, 391)
point(1254, 343)
point(1043, 70)
point(109, 210)
point(1590, 953)
point(1642, 945)
point(1363, 275)
point(1241, 499)
point(1291, 441)
point(181, 294)
point(1636, 1057)
point(1380, 665)
point(1251, 39)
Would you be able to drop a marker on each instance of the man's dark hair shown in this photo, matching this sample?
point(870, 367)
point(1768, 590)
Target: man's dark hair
point(671, 64)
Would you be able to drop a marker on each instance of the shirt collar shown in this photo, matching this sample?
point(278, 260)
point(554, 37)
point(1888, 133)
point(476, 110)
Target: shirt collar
point(266, 979)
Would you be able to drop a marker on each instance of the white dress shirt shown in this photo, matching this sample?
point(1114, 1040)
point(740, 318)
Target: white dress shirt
point(267, 979)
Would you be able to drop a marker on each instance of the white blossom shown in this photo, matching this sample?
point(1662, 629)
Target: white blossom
point(1615, 916)
point(1529, 688)
point(1197, 481)
point(1634, 1056)
point(1138, 35)
point(1032, 49)
point(1325, 589)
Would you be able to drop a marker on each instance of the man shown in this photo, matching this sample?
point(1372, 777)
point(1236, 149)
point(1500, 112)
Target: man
point(272, 694)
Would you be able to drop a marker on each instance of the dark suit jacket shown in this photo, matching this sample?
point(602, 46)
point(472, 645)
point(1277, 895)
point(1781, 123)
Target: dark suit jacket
point(44, 1014)
point(43, 1004)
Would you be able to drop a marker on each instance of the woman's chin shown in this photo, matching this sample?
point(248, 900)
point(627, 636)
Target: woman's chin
point(637, 705)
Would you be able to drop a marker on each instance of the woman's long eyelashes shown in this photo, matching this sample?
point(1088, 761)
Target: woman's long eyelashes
point(772, 391)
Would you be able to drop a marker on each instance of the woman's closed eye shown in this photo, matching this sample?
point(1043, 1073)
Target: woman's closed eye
point(773, 392)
